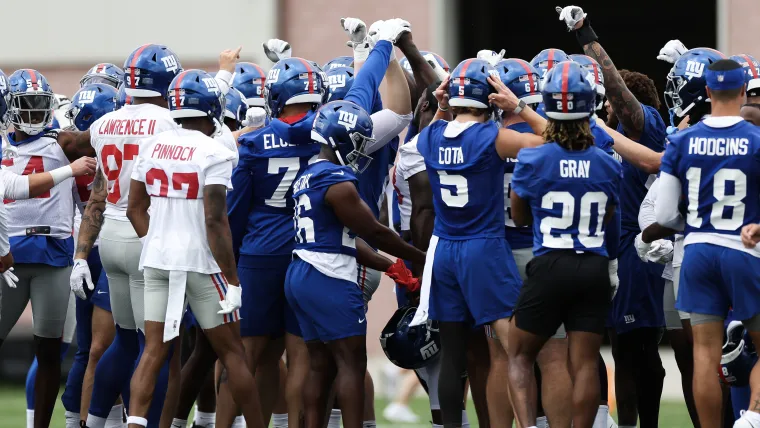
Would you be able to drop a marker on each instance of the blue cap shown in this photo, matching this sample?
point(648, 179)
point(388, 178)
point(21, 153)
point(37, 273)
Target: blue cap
point(725, 79)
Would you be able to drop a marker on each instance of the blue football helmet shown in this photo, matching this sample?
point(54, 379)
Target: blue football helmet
point(752, 67)
point(347, 129)
point(337, 62)
point(149, 70)
point(410, 347)
point(592, 67)
point(32, 101)
point(90, 103)
point(122, 99)
point(686, 84)
point(404, 63)
point(5, 102)
point(568, 93)
point(194, 93)
point(249, 80)
point(546, 59)
point(339, 81)
point(293, 81)
point(235, 107)
point(105, 73)
point(469, 85)
point(739, 355)
point(521, 78)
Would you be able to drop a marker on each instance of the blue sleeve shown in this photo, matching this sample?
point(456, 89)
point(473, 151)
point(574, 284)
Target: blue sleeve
point(669, 161)
point(612, 235)
point(239, 204)
point(654, 132)
point(602, 139)
point(364, 90)
point(411, 131)
point(523, 182)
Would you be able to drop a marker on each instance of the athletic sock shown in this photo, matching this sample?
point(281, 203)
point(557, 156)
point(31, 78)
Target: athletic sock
point(203, 418)
point(465, 419)
point(335, 416)
point(30, 417)
point(239, 422)
point(113, 373)
point(115, 417)
point(279, 420)
point(95, 421)
point(369, 424)
point(601, 417)
point(72, 419)
point(179, 423)
point(437, 426)
point(541, 422)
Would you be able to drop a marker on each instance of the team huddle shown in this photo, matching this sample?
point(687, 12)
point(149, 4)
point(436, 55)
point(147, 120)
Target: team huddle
point(229, 231)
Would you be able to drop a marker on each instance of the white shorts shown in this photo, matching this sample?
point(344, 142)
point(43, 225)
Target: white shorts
point(120, 250)
point(368, 280)
point(202, 291)
point(48, 289)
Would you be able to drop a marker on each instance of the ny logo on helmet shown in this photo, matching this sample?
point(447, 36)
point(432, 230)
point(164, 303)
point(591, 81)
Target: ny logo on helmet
point(336, 81)
point(273, 75)
point(428, 351)
point(211, 84)
point(694, 69)
point(170, 62)
point(86, 97)
point(347, 119)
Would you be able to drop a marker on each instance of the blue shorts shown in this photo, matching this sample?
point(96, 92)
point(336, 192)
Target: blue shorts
point(265, 311)
point(188, 319)
point(100, 296)
point(473, 281)
point(327, 308)
point(638, 302)
point(714, 278)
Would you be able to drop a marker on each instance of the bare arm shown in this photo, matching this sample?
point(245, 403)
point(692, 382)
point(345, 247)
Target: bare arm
point(634, 153)
point(75, 144)
point(423, 213)
point(424, 75)
point(655, 231)
point(521, 213)
point(398, 100)
point(356, 215)
point(506, 100)
point(218, 230)
point(92, 218)
point(137, 208)
point(625, 105)
point(366, 256)
point(509, 142)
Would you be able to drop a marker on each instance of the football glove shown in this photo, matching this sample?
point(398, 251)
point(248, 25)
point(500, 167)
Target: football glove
point(232, 300)
point(672, 51)
point(277, 49)
point(80, 274)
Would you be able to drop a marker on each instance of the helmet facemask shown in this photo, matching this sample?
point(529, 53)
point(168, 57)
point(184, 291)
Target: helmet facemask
point(32, 112)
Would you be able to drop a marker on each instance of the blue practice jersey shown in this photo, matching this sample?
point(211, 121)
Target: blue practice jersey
point(719, 170)
point(467, 178)
point(635, 181)
point(518, 237)
point(318, 229)
point(261, 204)
point(568, 193)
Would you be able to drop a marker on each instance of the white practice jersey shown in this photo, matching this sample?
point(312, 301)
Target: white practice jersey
point(228, 140)
point(54, 208)
point(175, 166)
point(410, 162)
point(117, 138)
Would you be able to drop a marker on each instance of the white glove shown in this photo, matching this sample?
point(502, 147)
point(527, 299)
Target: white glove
point(232, 301)
point(672, 51)
point(439, 71)
point(491, 56)
point(10, 278)
point(356, 29)
point(80, 273)
point(392, 29)
point(642, 248)
point(661, 252)
point(277, 49)
point(614, 281)
point(572, 15)
point(255, 117)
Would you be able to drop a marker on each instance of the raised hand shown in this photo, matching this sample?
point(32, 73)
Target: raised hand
point(573, 16)
point(228, 58)
point(276, 49)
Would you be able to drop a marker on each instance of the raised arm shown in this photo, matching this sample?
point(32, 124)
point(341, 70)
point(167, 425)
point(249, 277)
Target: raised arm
point(75, 144)
point(424, 75)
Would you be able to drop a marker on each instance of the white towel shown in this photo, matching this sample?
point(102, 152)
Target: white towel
point(421, 315)
point(175, 304)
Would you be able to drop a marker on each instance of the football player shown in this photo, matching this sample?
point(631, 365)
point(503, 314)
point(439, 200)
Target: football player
point(703, 175)
point(117, 137)
point(204, 269)
point(569, 280)
point(40, 227)
point(472, 152)
point(637, 315)
point(105, 73)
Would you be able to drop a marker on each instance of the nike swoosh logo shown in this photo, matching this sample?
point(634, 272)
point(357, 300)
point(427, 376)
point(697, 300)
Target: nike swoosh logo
point(338, 173)
point(102, 292)
point(362, 320)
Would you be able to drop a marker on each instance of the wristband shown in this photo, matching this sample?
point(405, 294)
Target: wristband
point(520, 106)
point(62, 173)
point(585, 34)
point(443, 109)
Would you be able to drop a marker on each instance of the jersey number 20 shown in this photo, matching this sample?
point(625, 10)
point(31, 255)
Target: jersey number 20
point(568, 202)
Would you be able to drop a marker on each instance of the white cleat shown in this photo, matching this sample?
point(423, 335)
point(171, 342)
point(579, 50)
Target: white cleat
point(400, 413)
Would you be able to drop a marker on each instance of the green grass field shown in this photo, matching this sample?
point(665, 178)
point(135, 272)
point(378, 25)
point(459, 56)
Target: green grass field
point(13, 411)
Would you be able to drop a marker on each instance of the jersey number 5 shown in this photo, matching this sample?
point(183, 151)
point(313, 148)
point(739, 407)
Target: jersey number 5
point(460, 196)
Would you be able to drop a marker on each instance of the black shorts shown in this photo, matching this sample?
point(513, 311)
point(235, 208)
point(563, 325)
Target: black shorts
point(565, 287)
